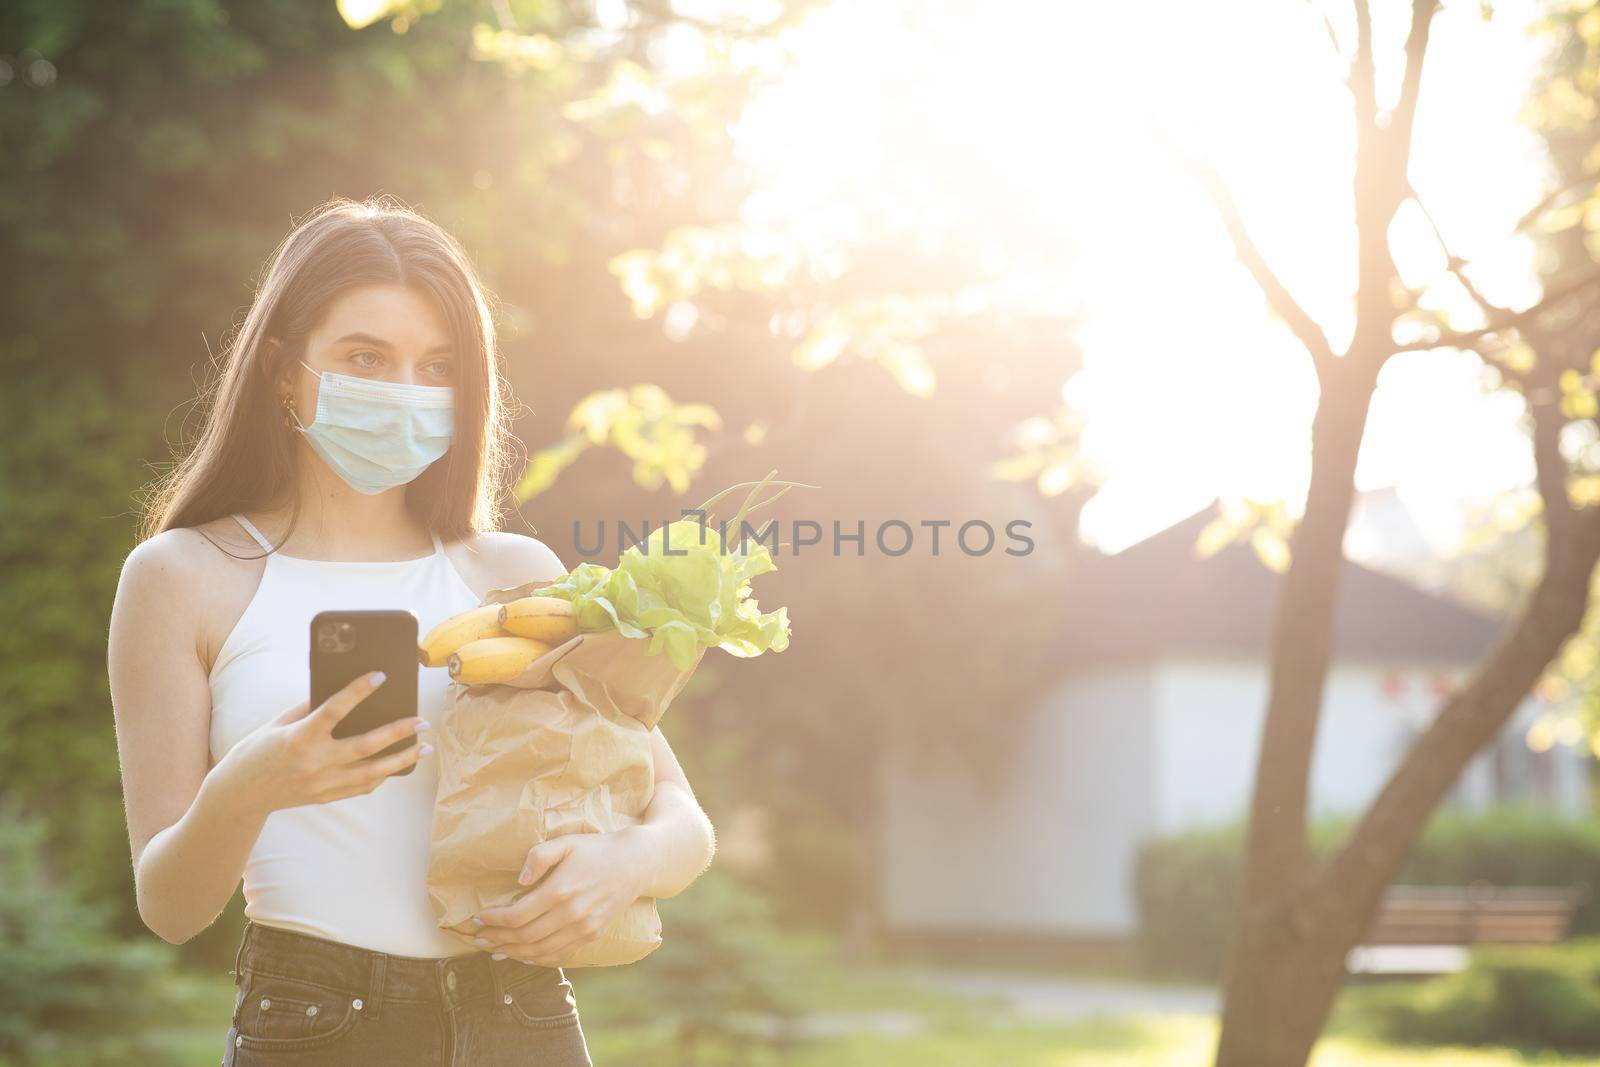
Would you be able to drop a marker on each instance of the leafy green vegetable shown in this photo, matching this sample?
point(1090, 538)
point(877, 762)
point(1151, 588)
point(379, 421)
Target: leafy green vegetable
point(685, 588)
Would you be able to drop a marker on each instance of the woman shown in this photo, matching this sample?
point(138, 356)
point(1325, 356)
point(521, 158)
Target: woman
point(353, 456)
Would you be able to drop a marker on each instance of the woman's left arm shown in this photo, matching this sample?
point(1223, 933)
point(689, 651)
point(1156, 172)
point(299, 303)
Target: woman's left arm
point(674, 840)
point(588, 880)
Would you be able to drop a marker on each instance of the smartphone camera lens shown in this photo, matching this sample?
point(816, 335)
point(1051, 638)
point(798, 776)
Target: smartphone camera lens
point(335, 636)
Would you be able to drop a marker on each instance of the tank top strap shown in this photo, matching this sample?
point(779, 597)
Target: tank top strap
point(438, 545)
point(250, 528)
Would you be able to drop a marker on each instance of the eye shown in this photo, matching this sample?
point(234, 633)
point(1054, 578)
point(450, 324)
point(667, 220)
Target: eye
point(366, 359)
point(442, 369)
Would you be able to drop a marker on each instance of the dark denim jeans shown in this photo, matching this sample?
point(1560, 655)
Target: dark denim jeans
point(307, 1001)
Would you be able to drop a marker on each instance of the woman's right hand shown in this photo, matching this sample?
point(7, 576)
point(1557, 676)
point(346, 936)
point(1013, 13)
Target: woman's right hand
point(295, 759)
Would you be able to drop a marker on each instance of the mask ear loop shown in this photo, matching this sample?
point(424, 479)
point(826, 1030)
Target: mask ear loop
point(288, 402)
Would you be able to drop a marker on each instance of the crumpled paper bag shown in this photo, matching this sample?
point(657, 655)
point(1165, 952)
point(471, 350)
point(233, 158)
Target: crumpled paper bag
point(563, 749)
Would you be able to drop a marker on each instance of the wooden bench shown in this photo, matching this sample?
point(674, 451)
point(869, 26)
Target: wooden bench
point(1430, 929)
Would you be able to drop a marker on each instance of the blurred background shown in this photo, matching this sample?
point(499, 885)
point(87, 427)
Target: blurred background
point(955, 266)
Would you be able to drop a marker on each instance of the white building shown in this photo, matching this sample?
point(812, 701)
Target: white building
point(1153, 728)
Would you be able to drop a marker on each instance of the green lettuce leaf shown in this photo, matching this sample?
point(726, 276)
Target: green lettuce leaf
point(682, 588)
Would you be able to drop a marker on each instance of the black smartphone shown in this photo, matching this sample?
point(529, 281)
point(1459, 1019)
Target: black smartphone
point(348, 644)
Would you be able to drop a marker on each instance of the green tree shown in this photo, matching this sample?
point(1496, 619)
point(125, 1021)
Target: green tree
point(65, 985)
point(161, 150)
point(1301, 914)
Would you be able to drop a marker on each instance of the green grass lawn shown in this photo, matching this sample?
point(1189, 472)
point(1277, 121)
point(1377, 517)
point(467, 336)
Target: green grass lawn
point(1168, 1042)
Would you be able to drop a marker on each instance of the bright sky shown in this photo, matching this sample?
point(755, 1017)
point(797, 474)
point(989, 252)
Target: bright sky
point(1025, 126)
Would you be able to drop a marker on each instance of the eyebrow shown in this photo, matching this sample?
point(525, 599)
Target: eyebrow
point(367, 338)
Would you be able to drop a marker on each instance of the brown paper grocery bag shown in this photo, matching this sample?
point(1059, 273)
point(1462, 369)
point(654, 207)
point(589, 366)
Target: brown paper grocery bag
point(563, 749)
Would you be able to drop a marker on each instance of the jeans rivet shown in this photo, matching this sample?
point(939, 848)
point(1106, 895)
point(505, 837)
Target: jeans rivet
point(238, 1042)
point(450, 981)
point(266, 1002)
point(312, 1009)
point(356, 1004)
point(508, 998)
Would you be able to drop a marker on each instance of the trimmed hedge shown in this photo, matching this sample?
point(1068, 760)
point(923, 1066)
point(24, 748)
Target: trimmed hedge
point(1545, 998)
point(1187, 887)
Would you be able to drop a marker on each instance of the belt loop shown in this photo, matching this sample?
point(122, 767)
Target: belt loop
point(494, 978)
point(238, 957)
point(380, 970)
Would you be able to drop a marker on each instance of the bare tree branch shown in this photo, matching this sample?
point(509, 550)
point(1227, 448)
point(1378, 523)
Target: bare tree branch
point(1456, 265)
point(1383, 152)
point(1277, 294)
point(1362, 867)
point(1405, 111)
point(1549, 465)
point(1532, 215)
point(1506, 320)
point(1327, 24)
point(1362, 77)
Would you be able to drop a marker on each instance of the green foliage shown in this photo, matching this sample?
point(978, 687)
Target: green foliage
point(67, 461)
point(67, 986)
point(153, 173)
point(643, 423)
point(714, 961)
point(1512, 847)
point(1188, 886)
point(716, 971)
point(1188, 891)
point(1547, 998)
point(176, 144)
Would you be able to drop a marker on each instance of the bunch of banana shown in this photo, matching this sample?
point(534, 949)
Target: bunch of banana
point(496, 642)
point(493, 660)
point(444, 640)
point(543, 618)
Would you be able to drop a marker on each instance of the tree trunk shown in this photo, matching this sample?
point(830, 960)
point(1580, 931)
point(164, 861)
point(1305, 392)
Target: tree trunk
point(1286, 964)
point(1300, 916)
point(1283, 979)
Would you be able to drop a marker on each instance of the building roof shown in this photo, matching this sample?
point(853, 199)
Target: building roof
point(1157, 598)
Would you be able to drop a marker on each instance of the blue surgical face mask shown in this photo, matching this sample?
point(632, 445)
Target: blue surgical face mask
point(377, 435)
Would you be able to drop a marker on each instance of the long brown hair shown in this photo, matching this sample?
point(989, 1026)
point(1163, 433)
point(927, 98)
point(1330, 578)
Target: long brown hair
point(244, 457)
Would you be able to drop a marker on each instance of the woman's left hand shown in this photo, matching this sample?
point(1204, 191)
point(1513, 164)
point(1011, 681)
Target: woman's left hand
point(589, 880)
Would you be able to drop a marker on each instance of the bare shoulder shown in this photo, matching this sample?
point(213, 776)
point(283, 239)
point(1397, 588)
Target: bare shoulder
point(500, 559)
point(198, 579)
point(170, 562)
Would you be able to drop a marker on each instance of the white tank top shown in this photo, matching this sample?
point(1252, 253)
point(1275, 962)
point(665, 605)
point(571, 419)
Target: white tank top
point(352, 870)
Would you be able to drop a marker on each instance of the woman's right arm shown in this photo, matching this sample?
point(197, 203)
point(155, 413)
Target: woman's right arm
point(190, 829)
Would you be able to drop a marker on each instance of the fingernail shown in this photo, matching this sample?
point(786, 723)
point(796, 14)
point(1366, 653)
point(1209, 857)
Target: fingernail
point(498, 956)
point(477, 922)
point(524, 878)
point(481, 942)
point(423, 725)
point(427, 750)
point(527, 963)
point(378, 677)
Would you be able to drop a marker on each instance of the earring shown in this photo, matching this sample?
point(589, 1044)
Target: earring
point(289, 418)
